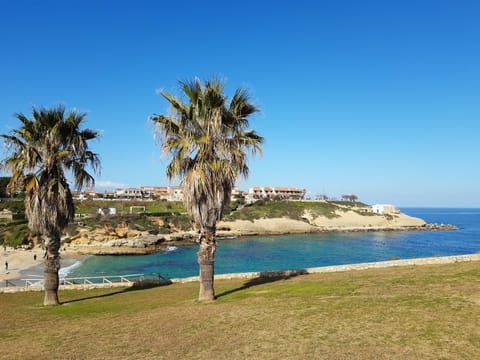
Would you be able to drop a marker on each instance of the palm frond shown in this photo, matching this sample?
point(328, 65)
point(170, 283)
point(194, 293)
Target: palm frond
point(42, 150)
point(208, 141)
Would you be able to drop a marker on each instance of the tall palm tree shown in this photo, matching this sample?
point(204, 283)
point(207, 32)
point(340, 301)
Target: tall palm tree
point(46, 148)
point(208, 141)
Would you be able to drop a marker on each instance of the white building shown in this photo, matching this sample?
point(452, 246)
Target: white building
point(85, 194)
point(175, 193)
point(385, 209)
point(129, 193)
point(107, 211)
point(237, 195)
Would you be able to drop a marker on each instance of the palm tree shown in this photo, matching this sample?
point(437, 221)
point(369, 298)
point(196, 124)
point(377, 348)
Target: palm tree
point(43, 150)
point(208, 141)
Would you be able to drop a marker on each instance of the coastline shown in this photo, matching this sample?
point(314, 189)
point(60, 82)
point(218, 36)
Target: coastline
point(147, 244)
point(22, 264)
point(434, 260)
point(28, 263)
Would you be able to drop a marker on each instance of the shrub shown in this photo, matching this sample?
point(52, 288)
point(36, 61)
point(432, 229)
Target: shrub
point(15, 233)
point(295, 210)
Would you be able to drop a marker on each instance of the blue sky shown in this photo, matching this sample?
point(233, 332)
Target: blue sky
point(376, 98)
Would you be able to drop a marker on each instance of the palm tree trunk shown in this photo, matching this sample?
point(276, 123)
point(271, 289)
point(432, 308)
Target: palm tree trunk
point(206, 261)
point(50, 271)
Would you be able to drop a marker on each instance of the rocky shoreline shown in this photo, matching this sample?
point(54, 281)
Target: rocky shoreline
point(145, 243)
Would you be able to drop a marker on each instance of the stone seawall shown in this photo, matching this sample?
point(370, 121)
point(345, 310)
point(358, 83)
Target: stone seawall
point(340, 268)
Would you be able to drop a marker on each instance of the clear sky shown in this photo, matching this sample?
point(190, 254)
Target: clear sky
point(375, 98)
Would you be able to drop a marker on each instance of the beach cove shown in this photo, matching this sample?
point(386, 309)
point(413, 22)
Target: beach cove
point(274, 252)
point(271, 218)
point(299, 251)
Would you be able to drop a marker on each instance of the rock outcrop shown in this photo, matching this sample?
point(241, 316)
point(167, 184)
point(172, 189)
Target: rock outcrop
point(343, 221)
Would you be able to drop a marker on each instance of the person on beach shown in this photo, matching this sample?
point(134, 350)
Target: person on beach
point(34, 257)
point(6, 265)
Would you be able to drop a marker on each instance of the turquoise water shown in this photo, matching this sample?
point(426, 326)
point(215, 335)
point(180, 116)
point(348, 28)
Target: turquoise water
point(265, 253)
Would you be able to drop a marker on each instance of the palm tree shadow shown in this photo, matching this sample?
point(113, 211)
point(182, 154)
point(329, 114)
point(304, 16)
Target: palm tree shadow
point(138, 285)
point(93, 297)
point(265, 278)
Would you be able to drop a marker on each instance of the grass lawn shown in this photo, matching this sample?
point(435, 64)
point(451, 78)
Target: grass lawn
point(419, 312)
point(123, 206)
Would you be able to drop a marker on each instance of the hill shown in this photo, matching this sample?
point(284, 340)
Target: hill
point(280, 217)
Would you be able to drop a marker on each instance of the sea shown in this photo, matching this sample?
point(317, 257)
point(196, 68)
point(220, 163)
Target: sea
point(290, 252)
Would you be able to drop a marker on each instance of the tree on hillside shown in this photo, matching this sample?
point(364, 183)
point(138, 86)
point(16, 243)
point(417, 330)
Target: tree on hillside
point(208, 141)
point(42, 151)
point(352, 198)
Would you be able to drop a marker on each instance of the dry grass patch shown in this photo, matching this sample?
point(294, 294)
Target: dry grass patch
point(427, 312)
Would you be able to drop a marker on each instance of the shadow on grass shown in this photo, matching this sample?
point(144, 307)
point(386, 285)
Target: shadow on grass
point(138, 285)
point(265, 278)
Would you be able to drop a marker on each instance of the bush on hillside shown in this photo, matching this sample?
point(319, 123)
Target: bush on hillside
point(265, 208)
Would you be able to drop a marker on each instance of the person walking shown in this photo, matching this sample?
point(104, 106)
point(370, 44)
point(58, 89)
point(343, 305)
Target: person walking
point(6, 265)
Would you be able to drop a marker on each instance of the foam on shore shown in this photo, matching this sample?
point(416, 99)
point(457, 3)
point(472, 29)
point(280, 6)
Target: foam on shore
point(64, 271)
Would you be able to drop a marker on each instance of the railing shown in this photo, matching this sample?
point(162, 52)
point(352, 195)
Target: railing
point(87, 280)
point(9, 283)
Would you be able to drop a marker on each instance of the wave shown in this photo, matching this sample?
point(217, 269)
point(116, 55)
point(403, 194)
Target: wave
point(171, 248)
point(63, 272)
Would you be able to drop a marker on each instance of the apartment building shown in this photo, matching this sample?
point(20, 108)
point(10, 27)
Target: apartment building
point(268, 192)
point(129, 193)
point(169, 193)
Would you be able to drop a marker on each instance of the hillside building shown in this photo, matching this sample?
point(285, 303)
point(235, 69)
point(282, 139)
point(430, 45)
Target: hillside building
point(129, 193)
point(169, 193)
point(269, 192)
point(85, 194)
point(385, 209)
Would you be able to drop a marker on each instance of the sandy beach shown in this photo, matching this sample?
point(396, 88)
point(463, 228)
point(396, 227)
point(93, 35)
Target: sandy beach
point(29, 263)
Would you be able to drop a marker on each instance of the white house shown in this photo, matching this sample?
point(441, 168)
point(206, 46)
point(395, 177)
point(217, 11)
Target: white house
point(129, 193)
point(107, 211)
point(384, 209)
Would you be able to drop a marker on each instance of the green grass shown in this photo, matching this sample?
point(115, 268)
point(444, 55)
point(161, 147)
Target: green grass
point(14, 233)
point(420, 312)
point(14, 205)
point(263, 209)
point(123, 206)
point(142, 222)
